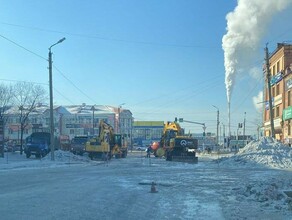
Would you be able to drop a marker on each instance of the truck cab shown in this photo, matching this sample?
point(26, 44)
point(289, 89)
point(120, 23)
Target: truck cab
point(37, 144)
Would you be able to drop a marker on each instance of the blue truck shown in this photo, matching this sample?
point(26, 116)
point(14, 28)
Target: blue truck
point(38, 144)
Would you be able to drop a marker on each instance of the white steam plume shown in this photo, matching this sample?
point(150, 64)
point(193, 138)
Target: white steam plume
point(245, 28)
point(258, 102)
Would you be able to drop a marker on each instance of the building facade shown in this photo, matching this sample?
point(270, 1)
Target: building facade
point(281, 78)
point(69, 121)
point(145, 132)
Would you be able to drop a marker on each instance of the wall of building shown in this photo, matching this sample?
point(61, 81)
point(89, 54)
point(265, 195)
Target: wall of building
point(280, 69)
point(145, 132)
point(67, 124)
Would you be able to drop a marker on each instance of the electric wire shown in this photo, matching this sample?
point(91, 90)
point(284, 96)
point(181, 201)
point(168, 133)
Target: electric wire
point(76, 87)
point(30, 51)
point(111, 39)
point(11, 41)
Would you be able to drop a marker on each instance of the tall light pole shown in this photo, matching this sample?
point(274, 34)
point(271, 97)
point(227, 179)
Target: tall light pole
point(244, 126)
point(217, 123)
point(119, 120)
point(93, 109)
point(51, 99)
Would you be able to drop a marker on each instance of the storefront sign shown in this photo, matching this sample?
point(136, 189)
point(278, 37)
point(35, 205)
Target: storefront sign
point(277, 78)
point(267, 104)
point(288, 84)
point(287, 113)
point(73, 126)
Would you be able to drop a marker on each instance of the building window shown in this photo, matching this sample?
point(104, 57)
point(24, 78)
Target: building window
point(278, 66)
point(273, 91)
point(274, 70)
point(278, 89)
point(289, 98)
point(289, 127)
point(277, 111)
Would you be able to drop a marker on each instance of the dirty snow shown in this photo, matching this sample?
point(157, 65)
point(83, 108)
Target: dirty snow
point(62, 158)
point(266, 152)
point(262, 162)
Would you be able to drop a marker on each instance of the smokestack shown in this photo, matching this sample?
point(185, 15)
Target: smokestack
point(245, 27)
point(229, 131)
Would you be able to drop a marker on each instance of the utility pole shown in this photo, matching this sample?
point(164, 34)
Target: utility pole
point(52, 127)
point(270, 92)
point(51, 106)
point(223, 135)
point(217, 133)
point(244, 126)
point(93, 109)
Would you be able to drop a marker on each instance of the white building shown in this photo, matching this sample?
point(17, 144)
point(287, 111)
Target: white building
point(69, 121)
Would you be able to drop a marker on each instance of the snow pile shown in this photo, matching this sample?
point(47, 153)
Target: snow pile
point(267, 151)
point(270, 193)
point(62, 158)
point(66, 156)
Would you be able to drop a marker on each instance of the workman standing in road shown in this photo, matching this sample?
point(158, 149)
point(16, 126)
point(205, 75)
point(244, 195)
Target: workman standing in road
point(148, 151)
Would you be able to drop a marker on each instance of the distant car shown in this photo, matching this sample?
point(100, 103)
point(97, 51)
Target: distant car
point(141, 148)
point(16, 148)
point(8, 148)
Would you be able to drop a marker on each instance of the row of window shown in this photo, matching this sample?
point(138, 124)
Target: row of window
point(276, 90)
point(275, 68)
point(154, 133)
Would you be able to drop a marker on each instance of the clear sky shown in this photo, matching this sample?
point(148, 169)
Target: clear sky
point(162, 58)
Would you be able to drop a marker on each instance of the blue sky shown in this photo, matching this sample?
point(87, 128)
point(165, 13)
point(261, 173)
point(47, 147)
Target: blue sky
point(162, 58)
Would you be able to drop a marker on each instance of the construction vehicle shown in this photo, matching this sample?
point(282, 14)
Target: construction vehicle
point(175, 145)
point(78, 144)
point(38, 144)
point(106, 143)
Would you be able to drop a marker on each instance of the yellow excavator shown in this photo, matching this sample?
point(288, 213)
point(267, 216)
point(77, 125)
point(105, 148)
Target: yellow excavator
point(175, 145)
point(107, 142)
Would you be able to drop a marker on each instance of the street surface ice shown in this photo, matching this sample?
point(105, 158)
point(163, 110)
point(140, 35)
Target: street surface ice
point(248, 185)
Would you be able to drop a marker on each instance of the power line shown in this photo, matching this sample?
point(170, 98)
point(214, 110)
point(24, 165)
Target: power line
point(111, 39)
point(247, 95)
point(11, 41)
point(65, 77)
point(22, 47)
point(13, 80)
point(63, 96)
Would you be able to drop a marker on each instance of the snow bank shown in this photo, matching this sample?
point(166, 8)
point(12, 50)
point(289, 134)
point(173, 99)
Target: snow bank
point(267, 152)
point(62, 158)
point(270, 193)
point(66, 156)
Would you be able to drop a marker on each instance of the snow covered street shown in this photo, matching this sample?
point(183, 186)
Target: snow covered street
point(74, 187)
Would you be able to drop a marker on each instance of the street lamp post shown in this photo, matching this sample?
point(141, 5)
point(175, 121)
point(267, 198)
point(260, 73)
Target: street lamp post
point(119, 120)
point(244, 126)
point(217, 123)
point(51, 99)
point(93, 109)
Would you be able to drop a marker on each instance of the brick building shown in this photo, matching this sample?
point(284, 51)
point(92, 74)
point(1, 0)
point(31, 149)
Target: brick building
point(281, 85)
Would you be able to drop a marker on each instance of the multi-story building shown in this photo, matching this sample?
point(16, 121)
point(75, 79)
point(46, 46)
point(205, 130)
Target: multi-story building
point(69, 121)
point(145, 132)
point(280, 68)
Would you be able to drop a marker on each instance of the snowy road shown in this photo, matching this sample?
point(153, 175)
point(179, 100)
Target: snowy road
point(121, 190)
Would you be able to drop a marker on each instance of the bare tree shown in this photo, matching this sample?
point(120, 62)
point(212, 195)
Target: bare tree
point(6, 99)
point(27, 96)
point(5, 103)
